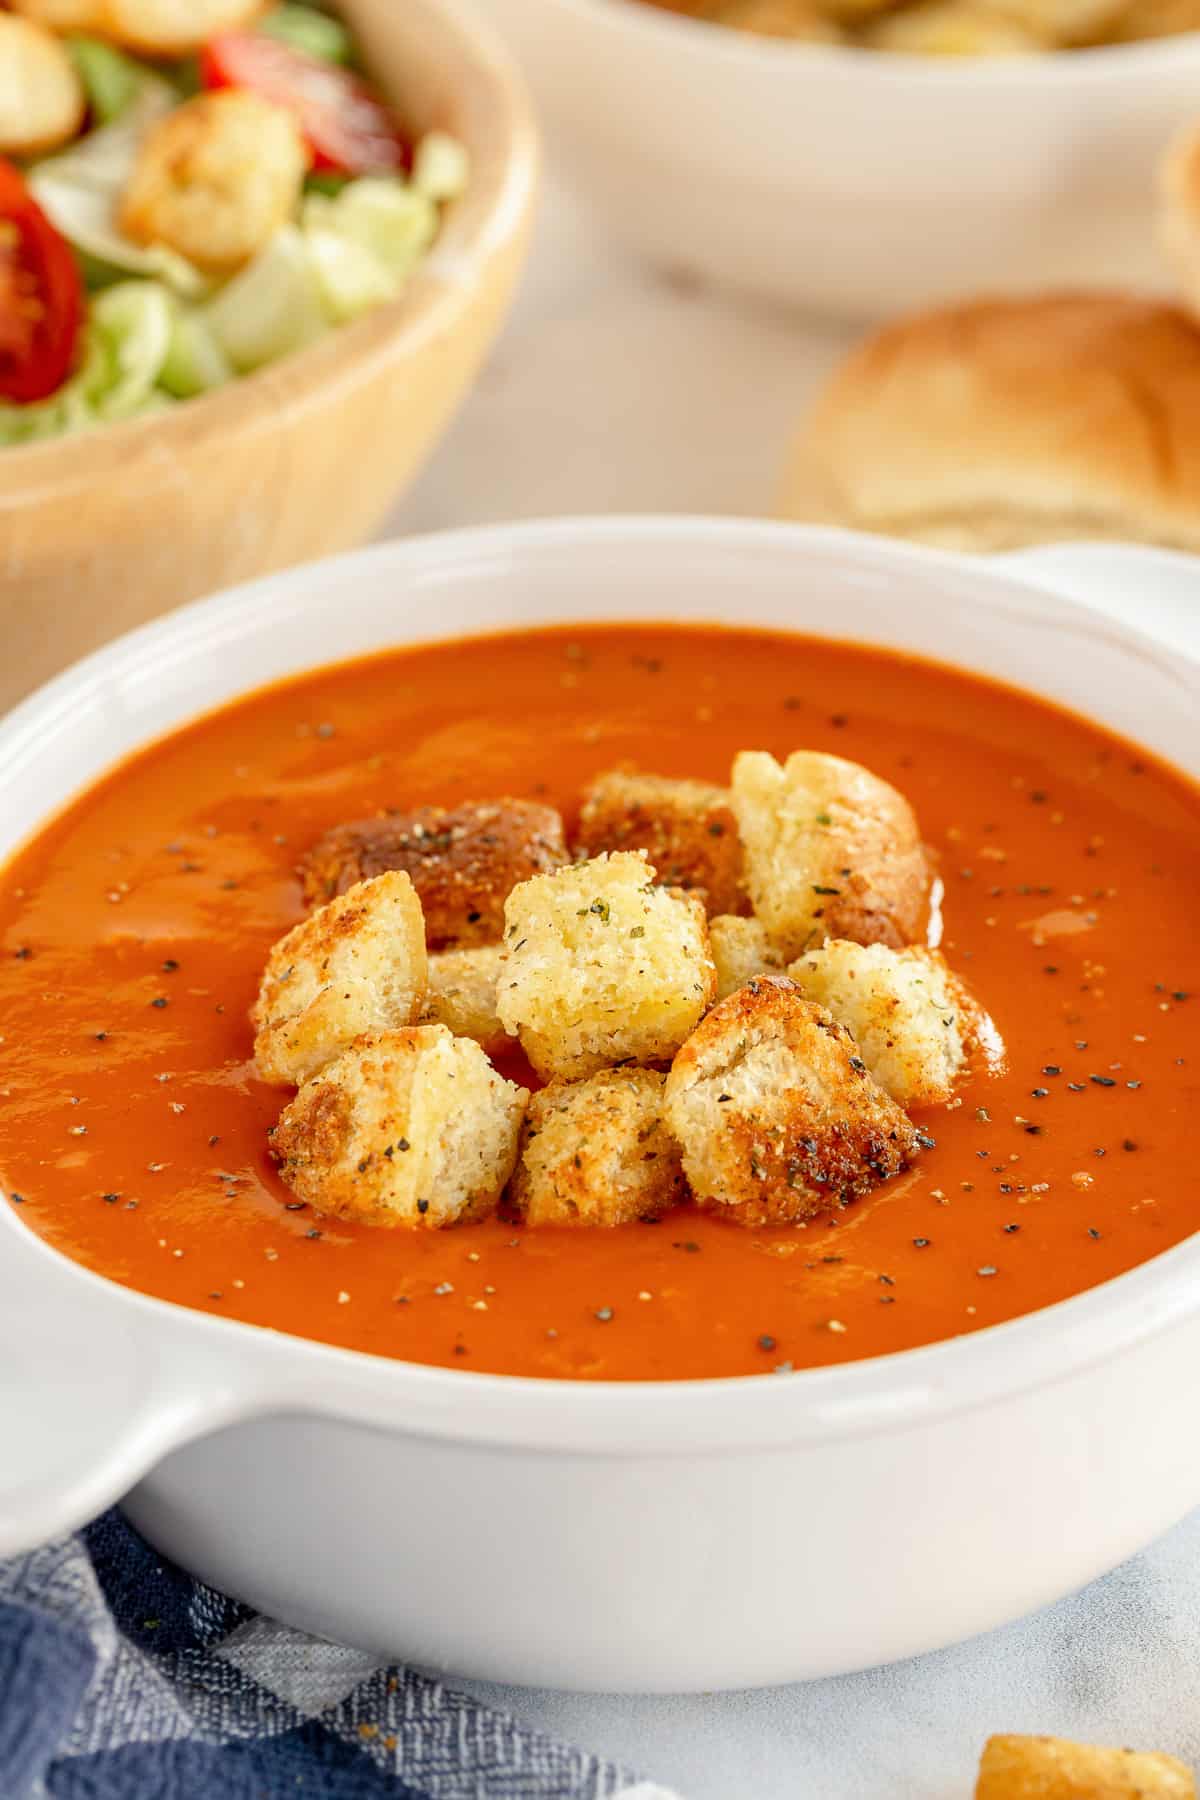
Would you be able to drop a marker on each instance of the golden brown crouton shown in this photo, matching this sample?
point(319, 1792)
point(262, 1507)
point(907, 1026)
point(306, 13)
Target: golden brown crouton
point(686, 828)
point(464, 861)
point(462, 994)
point(776, 1112)
point(906, 1010)
point(602, 966)
point(410, 1127)
point(831, 851)
point(741, 950)
point(1046, 1768)
point(357, 964)
point(597, 1152)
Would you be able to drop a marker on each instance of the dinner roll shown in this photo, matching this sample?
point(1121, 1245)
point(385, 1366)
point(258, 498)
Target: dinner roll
point(741, 950)
point(1154, 19)
point(1179, 211)
point(776, 1112)
point(462, 994)
point(357, 964)
point(597, 1152)
point(42, 102)
point(464, 861)
point(905, 1009)
point(686, 828)
point(411, 1127)
point(831, 851)
point(603, 966)
point(1001, 423)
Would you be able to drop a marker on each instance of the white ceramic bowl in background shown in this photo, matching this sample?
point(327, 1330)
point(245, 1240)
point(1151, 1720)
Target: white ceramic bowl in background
point(616, 1536)
point(850, 181)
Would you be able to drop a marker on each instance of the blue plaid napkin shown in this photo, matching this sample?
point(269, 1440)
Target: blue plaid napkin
point(122, 1678)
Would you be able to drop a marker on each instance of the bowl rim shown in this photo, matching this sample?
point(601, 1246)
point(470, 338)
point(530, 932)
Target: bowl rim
point(1090, 65)
point(271, 399)
point(901, 1391)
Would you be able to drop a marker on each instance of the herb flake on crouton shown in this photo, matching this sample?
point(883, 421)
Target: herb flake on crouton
point(357, 964)
point(464, 861)
point(406, 1128)
point(777, 1115)
point(831, 852)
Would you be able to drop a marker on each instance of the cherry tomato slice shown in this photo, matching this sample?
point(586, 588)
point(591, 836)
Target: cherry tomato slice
point(41, 296)
point(347, 128)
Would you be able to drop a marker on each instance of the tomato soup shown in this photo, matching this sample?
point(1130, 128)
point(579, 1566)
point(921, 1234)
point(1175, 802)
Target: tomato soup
point(133, 1133)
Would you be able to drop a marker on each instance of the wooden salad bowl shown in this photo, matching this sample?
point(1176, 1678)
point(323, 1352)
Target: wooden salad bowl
point(103, 531)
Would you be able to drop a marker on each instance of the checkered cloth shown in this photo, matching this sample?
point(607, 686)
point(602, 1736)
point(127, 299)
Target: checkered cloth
point(122, 1678)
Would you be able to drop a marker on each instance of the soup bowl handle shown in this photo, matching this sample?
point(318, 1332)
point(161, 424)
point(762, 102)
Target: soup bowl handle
point(1157, 591)
point(93, 1392)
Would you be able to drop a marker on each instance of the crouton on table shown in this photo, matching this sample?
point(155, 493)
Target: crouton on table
point(686, 828)
point(602, 966)
point(597, 1152)
point(741, 950)
point(357, 964)
point(1047, 1768)
point(407, 1128)
point(831, 852)
point(906, 1010)
point(464, 861)
point(776, 1113)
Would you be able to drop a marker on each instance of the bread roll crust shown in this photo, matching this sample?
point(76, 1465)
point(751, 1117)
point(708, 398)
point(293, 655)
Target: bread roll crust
point(997, 424)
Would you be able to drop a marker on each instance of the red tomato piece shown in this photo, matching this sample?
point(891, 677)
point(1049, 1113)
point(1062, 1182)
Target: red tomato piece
point(41, 296)
point(347, 127)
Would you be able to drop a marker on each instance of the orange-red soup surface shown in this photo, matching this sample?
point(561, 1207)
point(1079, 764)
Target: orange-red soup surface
point(133, 929)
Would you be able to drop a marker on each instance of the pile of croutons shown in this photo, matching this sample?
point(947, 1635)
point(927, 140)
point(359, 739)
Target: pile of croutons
point(728, 994)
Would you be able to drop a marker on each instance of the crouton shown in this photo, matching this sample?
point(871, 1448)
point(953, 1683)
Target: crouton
point(411, 1127)
point(741, 950)
point(42, 103)
point(215, 179)
point(597, 1152)
point(1046, 1768)
point(602, 966)
point(686, 828)
point(464, 861)
point(462, 994)
point(905, 1009)
point(776, 1112)
point(831, 851)
point(357, 964)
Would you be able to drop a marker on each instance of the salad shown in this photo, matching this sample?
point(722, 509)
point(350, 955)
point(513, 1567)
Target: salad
point(190, 189)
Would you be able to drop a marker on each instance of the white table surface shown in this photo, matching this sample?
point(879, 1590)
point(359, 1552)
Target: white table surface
point(616, 390)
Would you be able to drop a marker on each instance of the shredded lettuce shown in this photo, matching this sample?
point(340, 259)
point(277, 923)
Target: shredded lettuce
point(440, 167)
point(111, 80)
point(316, 34)
point(156, 331)
point(271, 307)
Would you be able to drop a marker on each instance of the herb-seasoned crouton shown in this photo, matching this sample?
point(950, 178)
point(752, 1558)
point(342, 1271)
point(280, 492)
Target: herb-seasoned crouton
point(357, 964)
point(905, 1009)
point(831, 851)
point(603, 967)
point(741, 950)
point(686, 828)
point(464, 861)
point(596, 1152)
point(462, 993)
point(1046, 1768)
point(410, 1127)
point(776, 1112)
